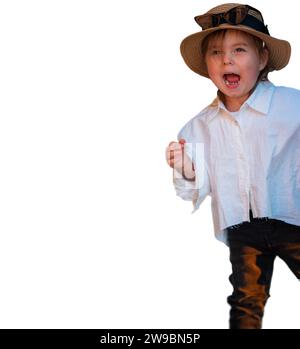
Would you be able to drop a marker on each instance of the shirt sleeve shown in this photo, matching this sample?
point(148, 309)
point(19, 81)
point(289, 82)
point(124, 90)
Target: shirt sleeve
point(195, 191)
point(185, 189)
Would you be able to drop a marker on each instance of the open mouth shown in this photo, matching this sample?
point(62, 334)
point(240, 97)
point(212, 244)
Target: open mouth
point(231, 80)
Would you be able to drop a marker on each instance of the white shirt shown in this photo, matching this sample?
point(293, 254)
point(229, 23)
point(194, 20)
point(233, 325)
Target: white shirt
point(249, 160)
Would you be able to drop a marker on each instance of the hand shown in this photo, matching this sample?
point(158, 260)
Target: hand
point(178, 160)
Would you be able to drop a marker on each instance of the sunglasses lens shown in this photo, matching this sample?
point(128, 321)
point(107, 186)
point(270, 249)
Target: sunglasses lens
point(241, 13)
point(236, 15)
point(205, 22)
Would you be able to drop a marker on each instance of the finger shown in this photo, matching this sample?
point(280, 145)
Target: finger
point(170, 162)
point(174, 154)
point(169, 155)
point(174, 146)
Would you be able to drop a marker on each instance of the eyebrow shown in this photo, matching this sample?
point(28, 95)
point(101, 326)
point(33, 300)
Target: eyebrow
point(236, 44)
point(240, 44)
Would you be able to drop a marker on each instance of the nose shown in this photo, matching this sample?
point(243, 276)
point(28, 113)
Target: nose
point(227, 58)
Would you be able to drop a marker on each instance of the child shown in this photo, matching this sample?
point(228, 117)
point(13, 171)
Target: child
point(250, 164)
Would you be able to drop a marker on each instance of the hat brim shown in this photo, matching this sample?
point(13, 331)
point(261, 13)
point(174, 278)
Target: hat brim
point(191, 51)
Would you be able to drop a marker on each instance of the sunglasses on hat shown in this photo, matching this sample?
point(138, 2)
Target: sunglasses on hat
point(243, 14)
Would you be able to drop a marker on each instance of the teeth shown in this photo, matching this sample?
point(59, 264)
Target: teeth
point(230, 83)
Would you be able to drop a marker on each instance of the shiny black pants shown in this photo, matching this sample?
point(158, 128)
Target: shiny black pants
point(253, 247)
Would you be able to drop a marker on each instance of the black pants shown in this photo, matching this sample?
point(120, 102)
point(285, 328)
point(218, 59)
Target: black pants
point(253, 248)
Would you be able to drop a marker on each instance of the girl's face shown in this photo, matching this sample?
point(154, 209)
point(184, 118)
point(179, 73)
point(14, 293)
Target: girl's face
point(233, 64)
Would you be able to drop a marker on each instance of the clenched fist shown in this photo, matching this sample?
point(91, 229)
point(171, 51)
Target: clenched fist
point(178, 160)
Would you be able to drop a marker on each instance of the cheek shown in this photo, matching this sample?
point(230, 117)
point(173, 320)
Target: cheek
point(253, 72)
point(251, 67)
point(212, 68)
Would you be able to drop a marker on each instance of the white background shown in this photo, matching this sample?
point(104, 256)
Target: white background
point(92, 234)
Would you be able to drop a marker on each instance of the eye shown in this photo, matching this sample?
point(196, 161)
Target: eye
point(240, 49)
point(215, 52)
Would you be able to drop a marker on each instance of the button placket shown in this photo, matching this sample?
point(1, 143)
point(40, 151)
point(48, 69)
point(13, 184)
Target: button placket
point(243, 170)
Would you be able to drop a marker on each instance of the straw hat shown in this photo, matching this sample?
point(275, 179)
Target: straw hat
point(191, 51)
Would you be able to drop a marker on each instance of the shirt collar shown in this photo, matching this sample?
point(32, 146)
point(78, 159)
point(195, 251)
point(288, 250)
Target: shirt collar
point(260, 100)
